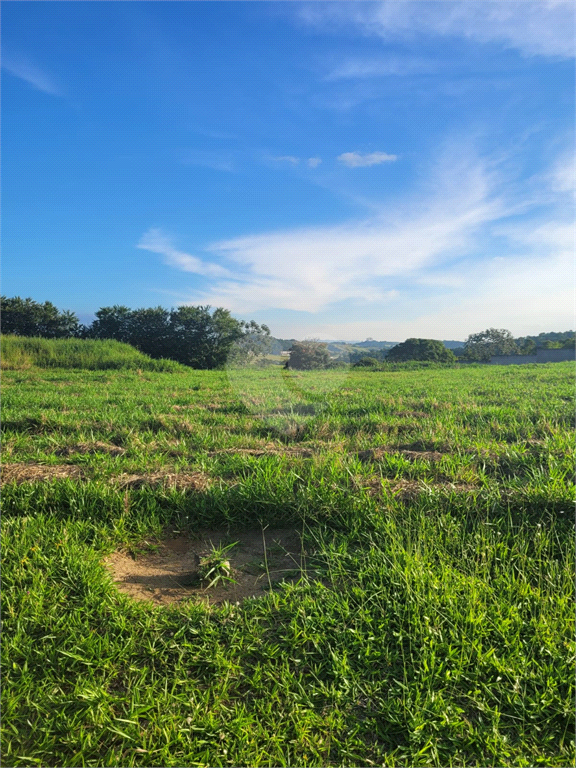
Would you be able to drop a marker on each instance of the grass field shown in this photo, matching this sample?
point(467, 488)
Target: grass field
point(431, 618)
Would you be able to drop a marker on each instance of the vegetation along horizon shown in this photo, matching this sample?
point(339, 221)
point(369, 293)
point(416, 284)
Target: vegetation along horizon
point(380, 563)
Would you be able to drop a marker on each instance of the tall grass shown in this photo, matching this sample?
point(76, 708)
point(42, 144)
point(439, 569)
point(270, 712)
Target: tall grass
point(22, 352)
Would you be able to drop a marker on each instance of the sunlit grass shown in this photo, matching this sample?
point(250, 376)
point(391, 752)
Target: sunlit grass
point(434, 622)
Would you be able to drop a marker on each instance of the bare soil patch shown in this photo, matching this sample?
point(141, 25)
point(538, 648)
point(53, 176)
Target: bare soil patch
point(90, 448)
point(38, 473)
point(265, 451)
point(193, 481)
point(374, 454)
point(407, 489)
point(167, 572)
point(412, 415)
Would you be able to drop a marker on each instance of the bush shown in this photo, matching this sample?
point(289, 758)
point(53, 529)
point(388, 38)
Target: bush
point(366, 362)
point(308, 355)
point(429, 350)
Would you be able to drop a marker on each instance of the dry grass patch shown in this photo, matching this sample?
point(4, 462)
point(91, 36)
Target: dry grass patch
point(191, 481)
point(90, 448)
point(39, 473)
point(168, 571)
point(409, 490)
point(412, 452)
point(270, 450)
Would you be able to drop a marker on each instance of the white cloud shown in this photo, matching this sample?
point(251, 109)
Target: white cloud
point(314, 162)
point(534, 27)
point(287, 159)
point(526, 294)
point(32, 75)
point(356, 160)
point(563, 175)
point(312, 268)
point(445, 262)
point(157, 242)
point(381, 67)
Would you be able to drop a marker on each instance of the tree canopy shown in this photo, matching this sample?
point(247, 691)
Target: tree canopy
point(493, 341)
point(196, 336)
point(420, 349)
point(26, 317)
point(308, 355)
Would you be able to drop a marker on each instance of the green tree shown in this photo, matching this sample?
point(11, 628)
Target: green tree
point(149, 331)
point(493, 341)
point(420, 349)
point(112, 323)
point(254, 343)
point(26, 317)
point(202, 339)
point(195, 336)
point(308, 355)
point(526, 346)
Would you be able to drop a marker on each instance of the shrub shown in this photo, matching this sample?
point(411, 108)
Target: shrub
point(429, 350)
point(308, 355)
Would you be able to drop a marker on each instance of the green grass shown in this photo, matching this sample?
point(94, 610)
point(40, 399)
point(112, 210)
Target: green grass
point(434, 621)
point(25, 352)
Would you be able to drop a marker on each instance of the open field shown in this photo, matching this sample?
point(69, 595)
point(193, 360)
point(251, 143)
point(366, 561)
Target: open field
point(423, 521)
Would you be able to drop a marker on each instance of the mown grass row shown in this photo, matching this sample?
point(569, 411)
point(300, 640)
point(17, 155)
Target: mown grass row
point(433, 627)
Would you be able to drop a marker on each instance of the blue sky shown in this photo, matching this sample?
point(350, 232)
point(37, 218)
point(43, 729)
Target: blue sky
point(336, 170)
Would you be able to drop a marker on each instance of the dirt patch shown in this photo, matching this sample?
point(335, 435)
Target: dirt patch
point(428, 455)
point(423, 446)
point(39, 473)
point(412, 415)
point(265, 451)
point(408, 490)
point(89, 448)
point(193, 481)
point(168, 571)
point(374, 454)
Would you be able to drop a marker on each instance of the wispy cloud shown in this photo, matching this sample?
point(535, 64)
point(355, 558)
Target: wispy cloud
point(32, 74)
point(314, 162)
point(534, 27)
point(209, 160)
point(381, 67)
point(287, 159)
point(423, 266)
point(315, 267)
point(357, 160)
point(156, 241)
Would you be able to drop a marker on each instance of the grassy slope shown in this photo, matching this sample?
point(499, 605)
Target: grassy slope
point(24, 352)
point(432, 628)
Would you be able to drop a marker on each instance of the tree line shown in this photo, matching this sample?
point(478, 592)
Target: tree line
point(478, 347)
point(200, 337)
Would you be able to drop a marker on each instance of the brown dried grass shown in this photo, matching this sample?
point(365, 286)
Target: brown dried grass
point(192, 481)
point(39, 473)
point(90, 448)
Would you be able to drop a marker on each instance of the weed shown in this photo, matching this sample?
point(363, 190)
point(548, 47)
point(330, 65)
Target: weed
point(215, 567)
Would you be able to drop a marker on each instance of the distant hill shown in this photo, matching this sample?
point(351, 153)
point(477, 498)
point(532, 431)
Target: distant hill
point(550, 336)
point(354, 349)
